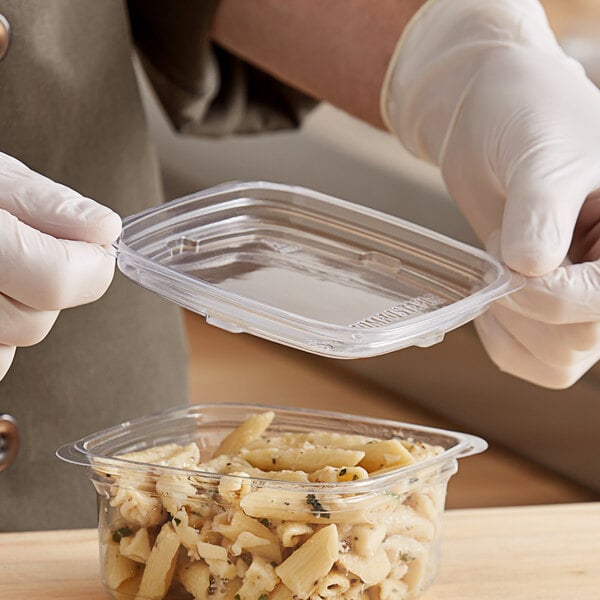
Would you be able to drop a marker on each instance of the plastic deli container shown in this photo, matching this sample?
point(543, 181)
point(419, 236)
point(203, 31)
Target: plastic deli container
point(308, 270)
point(318, 505)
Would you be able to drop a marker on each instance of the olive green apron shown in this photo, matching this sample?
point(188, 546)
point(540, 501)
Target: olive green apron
point(70, 109)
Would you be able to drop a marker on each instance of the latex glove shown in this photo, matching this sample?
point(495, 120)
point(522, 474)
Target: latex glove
point(482, 89)
point(51, 254)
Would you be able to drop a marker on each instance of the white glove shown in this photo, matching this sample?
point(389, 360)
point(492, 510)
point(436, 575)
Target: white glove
point(51, 254)
point(482, 89)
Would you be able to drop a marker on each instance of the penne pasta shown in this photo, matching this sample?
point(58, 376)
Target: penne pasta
point(117, 567)
point(334, 474)
point(333, 585)
point(217, 559)
point(128, 589)
point(424, 506)
point(188, 536)
point(195, 578)
point(385, 454)
point(160, 566)
point(421, 451)
point(174, 491)
point(245, 534)
point(259, 580)
point(291, 533)
point(211, 551)
point(276, 504)
point(416, 576)
point(402, 549)
point(357, 591)
point(245, 433)
point(325, 439)
point(303, 569)
point(154, 456)
point(367, 539)
point(372, 570)
point(136, 505)
point(407, 522)
point(393, 589)
point(252, 535)
point(305, 459)
point(137, 546)
point(281, 592)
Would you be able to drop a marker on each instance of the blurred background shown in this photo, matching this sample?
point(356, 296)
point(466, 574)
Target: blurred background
point(544, 445)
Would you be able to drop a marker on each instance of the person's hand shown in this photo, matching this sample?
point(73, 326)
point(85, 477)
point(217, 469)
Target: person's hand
point(482, 89)
point(51, 254)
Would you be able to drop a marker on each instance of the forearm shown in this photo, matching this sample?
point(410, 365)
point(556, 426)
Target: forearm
point(334, 50)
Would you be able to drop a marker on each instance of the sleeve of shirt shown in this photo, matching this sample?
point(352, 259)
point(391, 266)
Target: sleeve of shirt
point(204, 89)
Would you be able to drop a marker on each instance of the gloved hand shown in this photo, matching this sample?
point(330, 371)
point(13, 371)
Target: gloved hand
point(51, 254)
point(482, 89)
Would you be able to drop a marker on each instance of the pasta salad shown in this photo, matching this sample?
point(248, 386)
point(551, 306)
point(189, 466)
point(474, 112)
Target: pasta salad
point(278, 516)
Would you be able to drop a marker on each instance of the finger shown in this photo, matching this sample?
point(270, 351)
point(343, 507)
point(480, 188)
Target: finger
point(513, 358)
point(21, 325)
point(54, 208)
point(569, 294)
point(556, 345)
point(49, 274)
point(538, 225)
point(557, 168)
point(7, 353)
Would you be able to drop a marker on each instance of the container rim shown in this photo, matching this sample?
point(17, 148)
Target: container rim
point(81, 453)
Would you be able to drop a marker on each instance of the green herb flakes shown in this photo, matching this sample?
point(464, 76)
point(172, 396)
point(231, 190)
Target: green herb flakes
point(122, 532)
point(317, 508)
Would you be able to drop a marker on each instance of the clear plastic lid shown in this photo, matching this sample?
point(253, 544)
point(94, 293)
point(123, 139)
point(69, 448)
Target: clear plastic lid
point(304, 269)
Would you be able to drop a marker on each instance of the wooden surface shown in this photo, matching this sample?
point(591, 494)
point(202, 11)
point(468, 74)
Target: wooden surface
point(226, 367)
point(526, 553)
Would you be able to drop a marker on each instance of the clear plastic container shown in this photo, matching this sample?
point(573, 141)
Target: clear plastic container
point(176, 532)
point(308, 270)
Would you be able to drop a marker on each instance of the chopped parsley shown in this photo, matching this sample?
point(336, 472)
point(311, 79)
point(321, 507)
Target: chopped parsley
point(317, 508)
point(342, 471)
point(177, 521)
point(265, 522)
point(122, 532)
point(262, 597)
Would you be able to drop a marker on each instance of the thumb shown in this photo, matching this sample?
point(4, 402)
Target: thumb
point(538, 223)
point(53, 208)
